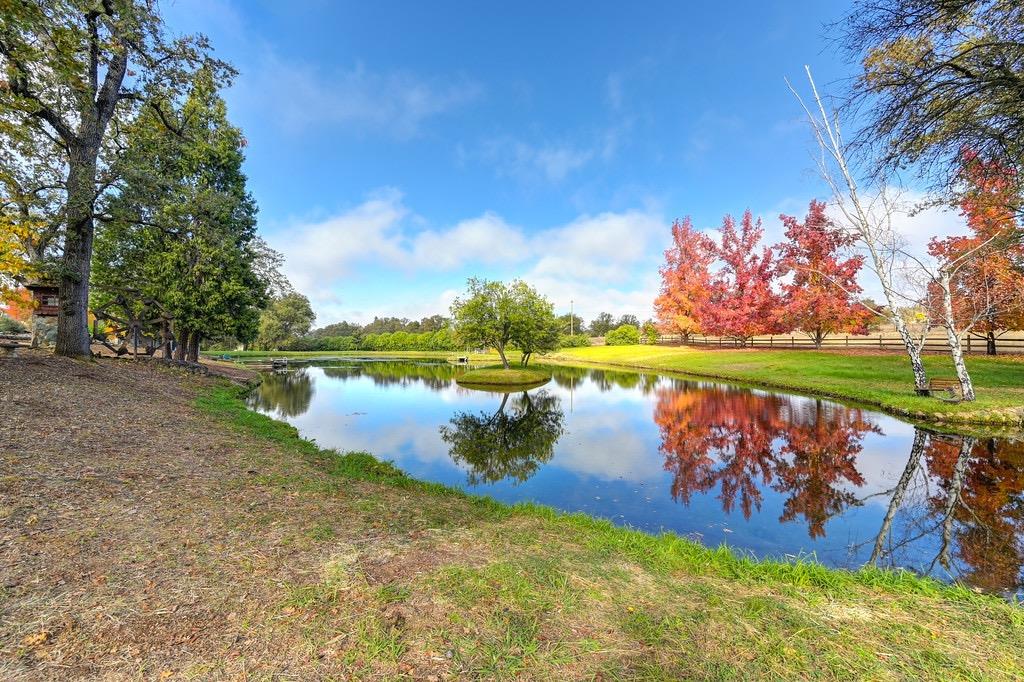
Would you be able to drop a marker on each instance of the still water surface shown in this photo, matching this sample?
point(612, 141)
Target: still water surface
point(767, 473)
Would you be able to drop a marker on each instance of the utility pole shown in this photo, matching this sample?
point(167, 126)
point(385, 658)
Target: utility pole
point(570, 317)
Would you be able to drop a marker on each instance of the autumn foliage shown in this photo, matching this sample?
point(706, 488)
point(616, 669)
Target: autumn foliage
point(740, 288)
point(685, 280)
point(988, 285)
point(821, 296)
point(741, 443)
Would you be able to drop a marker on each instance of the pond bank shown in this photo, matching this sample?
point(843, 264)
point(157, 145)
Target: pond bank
point(882, 380)
point(205, 540)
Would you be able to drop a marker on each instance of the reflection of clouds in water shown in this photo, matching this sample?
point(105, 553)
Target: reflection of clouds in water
point(594, 445)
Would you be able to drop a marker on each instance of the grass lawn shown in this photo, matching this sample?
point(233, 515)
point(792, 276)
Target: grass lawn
point(497, 377)
point(478, 589)
point(880, 379)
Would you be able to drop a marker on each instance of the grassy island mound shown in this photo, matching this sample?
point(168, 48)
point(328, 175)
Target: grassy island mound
point(497, 377)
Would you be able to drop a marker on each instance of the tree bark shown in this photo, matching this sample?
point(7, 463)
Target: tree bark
point(916, 365)
point(193, 347)
point(182, 338)
point(501, 352)
point(990, 343)
point(953, 339)
point(72, 315)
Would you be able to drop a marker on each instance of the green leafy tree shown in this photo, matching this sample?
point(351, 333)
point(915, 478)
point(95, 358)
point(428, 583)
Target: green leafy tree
point(536, 328)
point(69, 69)
point(631, 320)
point(625, 335)
point(602, 324)
point(182, 229)
point(498, 315)
point(285, 319)
point(650, 332)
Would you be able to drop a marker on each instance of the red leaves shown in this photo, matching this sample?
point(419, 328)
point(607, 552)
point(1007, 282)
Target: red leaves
point(744, 296)
point(743, 302)
point(821, 297)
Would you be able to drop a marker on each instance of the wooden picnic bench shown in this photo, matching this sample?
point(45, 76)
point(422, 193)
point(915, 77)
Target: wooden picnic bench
point(950, 387)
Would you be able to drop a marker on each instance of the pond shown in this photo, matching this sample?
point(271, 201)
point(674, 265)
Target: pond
point(768, 474)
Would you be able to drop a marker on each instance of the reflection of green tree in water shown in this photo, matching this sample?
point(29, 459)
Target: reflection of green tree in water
point(287, 393)
point(436, 375)
point(511, 443)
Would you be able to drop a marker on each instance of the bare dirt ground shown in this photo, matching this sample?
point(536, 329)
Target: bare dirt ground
point(138, 542)
point(145, 536)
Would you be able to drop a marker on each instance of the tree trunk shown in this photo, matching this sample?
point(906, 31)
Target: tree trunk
point(181, 338)
point(819, 336)
point(72, 316)
point(990, 343)
point(193, 347)
point(953, 338)
point(920, 376)
point(501, 352)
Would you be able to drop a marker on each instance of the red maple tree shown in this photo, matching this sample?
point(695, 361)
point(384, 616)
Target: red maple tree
point(743, 303)
point(685, 280)
point(821, 297)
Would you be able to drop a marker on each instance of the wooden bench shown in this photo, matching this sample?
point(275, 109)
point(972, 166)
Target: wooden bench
point(950, 387)
point(8, 348)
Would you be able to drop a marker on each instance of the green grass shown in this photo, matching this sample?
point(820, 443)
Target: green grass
point(524, 591)
point(497, 377)
point(883, 380)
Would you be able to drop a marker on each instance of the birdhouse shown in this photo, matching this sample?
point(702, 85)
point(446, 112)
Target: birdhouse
point(46, 298)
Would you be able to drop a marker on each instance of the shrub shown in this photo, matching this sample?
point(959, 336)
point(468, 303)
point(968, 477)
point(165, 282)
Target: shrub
point(626, 335)
point(574, 341)
point(9, 325)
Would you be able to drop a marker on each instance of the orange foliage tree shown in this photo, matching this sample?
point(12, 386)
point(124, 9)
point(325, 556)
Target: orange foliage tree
point(685, 280)
point(987, 289)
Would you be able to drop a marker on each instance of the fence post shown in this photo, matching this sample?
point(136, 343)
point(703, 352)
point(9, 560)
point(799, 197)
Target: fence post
point(847, 340)
point(792, 341)
point(771, 341)
point(968, 343)
point(879, 340)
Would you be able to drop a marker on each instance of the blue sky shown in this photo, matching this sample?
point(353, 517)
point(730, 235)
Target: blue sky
point(397, 148)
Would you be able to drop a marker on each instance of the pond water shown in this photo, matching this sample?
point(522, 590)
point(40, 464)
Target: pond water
point(769, 474)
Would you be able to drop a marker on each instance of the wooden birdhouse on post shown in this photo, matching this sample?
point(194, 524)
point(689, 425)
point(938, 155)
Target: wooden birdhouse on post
point(46, 297)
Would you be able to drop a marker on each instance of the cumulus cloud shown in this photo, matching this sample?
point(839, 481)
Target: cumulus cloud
point(603, 262)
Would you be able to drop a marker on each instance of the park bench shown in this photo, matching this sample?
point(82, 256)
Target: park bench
point(8, 348)
point(950, 387)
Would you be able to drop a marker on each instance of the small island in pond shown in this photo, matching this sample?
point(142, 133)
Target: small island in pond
point(498, 377)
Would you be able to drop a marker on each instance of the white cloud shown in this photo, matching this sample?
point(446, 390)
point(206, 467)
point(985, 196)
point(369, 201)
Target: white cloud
point(525, 162)
point(392, 102)
point(605, 262)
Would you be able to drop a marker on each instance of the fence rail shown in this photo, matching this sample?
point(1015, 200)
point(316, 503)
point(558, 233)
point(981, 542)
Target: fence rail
point(971, 344)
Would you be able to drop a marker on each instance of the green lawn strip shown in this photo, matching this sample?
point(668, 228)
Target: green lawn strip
point(531, 591)
point(881, 380)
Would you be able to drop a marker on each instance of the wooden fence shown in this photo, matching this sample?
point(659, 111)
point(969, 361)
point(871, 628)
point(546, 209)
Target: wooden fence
point(1010, 343)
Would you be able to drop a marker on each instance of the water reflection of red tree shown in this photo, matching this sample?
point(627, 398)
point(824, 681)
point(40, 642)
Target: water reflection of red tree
point(743, 441)
point(979, 506)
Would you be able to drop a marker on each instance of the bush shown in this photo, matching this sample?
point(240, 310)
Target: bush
point(9, 325)
point(442, 340)
point(574, 341)
point(626, 335)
